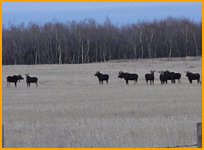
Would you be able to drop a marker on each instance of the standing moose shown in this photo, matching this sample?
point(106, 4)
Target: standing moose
point(102, 77)
point(150, 77)
point(31, 80)
point(177, 76)
point(193, 76)
point(162, 77)
point(128, 76)
point(14, 79)
point(167, 75)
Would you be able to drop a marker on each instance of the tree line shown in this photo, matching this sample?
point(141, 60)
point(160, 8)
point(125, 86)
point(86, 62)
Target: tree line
point(87, 41)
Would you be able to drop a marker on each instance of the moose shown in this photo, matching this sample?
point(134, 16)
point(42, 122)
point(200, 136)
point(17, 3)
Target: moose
point(14, 79)
point(150, 77)
point(193, 76)
point(102, 77)
point(128, 76)
point(177, 76)
point(167, 75)
point(31, 80)
point(162, 77)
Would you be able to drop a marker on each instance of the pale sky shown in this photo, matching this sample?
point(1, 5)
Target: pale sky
point(119, 13)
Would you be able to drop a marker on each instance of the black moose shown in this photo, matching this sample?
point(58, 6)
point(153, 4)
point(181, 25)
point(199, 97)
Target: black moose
point(150, 77)
point(162, 77)
point(177, 76)
point(102, 77)
point(193, 76)
point(128, 76)
point(14, 79)
point(31, 80)
point(167, 75)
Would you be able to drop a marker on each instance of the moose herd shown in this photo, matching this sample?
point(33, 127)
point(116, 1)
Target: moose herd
point(15, 78)
point(164, 77)
point(149, 77)
point(167, 75)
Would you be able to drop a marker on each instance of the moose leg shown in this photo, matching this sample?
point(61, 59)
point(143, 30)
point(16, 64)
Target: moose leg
point(15, 84)
point(126, 81)
point(36, 84)
point(107, 81)
point(198, 81)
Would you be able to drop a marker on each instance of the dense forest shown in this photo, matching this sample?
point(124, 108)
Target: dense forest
point(87, 41)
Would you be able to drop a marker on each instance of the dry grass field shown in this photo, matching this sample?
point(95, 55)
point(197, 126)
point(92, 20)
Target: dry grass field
point(70, 109)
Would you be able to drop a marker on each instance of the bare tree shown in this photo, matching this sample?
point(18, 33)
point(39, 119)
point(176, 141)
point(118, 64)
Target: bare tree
point(87, 41)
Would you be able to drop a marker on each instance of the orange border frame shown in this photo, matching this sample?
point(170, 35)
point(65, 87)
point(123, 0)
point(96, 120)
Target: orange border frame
point(94, 1)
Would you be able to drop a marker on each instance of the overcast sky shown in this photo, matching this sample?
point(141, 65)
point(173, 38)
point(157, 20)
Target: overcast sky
point(119, 13)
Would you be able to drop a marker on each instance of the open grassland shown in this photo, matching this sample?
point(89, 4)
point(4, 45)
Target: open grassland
point(70, 109)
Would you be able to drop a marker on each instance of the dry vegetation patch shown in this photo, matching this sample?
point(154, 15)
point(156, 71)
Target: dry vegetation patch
point(70, 109)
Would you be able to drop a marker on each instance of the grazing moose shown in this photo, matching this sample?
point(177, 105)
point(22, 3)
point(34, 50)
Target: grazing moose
point(128, 76)
point(31, 80)
point(102, 77)
point(14, 79)
point(150, 77)
point(193, 76)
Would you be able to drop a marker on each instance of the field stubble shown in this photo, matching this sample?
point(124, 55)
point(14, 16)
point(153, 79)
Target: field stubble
point(70, 109)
